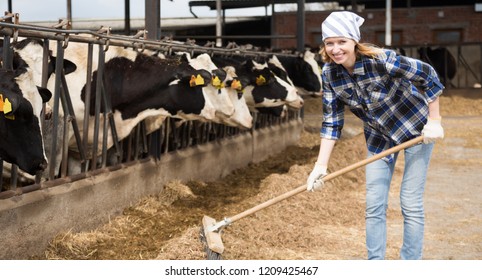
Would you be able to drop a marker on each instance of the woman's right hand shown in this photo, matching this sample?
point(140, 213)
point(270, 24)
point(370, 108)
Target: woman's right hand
point(315, 180)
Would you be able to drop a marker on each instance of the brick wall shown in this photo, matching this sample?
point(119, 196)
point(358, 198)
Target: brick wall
point(417, 26)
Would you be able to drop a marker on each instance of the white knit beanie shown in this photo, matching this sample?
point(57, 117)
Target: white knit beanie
point(342, 24)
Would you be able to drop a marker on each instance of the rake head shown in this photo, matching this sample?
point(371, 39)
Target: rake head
point(211, 237)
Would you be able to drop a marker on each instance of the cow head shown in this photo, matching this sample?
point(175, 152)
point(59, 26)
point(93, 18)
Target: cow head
point(20, 126)
point(304, 71)
point(308, 73)
point(242, 117)
point(269, 90)
point(216, 91)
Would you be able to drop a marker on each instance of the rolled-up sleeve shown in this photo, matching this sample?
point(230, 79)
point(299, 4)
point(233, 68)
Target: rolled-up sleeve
point(421, 74)
point(333, 113)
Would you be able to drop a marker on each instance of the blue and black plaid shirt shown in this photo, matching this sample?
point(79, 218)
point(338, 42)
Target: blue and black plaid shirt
point(389, 93)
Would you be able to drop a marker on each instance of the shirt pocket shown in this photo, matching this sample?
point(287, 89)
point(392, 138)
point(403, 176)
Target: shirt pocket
point(349, 97)
point(377, 92)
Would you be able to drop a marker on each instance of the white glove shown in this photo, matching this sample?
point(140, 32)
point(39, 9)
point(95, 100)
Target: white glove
point(432, 131)
point(315, 180)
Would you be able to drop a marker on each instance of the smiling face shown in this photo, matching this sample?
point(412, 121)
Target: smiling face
point(342, 51)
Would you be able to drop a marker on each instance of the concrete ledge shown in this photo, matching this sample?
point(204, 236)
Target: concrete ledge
point(29, 221)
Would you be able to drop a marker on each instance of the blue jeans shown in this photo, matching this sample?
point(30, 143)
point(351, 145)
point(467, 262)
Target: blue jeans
point(378, 177)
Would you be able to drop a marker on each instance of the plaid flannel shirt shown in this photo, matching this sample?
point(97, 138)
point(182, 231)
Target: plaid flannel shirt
point(390, 93)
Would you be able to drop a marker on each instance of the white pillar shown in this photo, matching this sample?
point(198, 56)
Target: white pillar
point(219, 41)
point(388, 23)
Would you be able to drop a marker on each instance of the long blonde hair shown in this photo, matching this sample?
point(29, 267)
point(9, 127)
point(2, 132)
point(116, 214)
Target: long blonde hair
point(365, 49)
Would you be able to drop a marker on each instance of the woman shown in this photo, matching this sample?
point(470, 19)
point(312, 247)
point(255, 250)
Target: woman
point(397, 99)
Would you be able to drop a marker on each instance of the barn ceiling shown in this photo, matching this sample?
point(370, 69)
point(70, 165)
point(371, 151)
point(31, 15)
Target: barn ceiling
point(369, 4)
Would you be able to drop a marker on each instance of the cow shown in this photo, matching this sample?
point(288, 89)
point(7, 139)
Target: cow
point(242, 117)
point(442, 60)
point(303, 70)
point(27, 80)
point(21, 103)
point(277, 68)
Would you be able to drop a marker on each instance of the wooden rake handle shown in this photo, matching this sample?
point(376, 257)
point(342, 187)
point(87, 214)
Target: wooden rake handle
point(326, 178)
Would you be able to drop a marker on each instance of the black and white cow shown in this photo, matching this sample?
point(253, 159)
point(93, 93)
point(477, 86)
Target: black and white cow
point(21, 101)
point(29, 100)
point(304, 71)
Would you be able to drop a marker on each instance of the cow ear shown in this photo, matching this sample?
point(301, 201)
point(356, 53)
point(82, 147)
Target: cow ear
point(203, 78)
point(220, 73)
point(249, 64)
point(184, 58)
point(267, 73)
point(45, 94)
point(195, 78)
point(68, 65)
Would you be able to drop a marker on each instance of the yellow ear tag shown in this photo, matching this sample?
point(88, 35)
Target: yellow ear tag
point(236, 84)
point(192, 82)
point(196, 81)
point(1, 103)
point(217, 82)
point(260, 80)
point(199, 80)
point(7, 106)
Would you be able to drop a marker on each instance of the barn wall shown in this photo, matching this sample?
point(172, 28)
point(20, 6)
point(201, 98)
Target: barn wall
point(417, 24)
point(31, 220)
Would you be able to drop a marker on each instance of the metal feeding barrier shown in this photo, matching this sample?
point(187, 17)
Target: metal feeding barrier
point(138, 146)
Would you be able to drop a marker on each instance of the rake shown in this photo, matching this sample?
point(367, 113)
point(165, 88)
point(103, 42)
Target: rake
point(211, 230)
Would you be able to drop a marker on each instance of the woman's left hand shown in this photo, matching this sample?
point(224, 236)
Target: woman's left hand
point(432, 131)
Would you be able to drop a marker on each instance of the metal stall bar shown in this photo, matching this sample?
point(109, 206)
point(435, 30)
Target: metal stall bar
point(109, 120)
point(56, 98)
point(88, 93)
point(98, 92)
point(7, 55)
point(71, 118)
